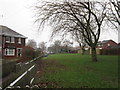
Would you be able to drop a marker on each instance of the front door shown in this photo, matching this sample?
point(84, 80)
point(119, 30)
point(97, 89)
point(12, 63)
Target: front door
point(19, 52)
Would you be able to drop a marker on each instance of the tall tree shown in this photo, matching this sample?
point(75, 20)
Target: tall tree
point(116, 15)
point(51, 49)
point(42, 46)
point(67, 45)
point(57, 46)
point(68, 16)
point(32, 43)
point(113, 14)
point(80, 40)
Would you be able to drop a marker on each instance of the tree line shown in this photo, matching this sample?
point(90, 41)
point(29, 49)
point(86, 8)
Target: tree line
point(83, 20)
point(57, 47)
point(60, 47)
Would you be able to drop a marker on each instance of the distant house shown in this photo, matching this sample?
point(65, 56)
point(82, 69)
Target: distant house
point(11, 43)
point(78, 49)
point(116, 46)
point(105, 45)
point(75, 49)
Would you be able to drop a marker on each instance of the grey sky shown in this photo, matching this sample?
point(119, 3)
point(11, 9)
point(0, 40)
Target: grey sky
point(17, 15)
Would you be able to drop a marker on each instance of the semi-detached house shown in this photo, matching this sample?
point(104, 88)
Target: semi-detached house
point(11, 43)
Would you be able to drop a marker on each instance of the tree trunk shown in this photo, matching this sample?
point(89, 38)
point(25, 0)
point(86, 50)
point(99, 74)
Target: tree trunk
point(93, 53)
point(82, 50)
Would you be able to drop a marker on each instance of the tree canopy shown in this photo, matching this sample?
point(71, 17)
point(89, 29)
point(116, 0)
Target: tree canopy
point(70, 16)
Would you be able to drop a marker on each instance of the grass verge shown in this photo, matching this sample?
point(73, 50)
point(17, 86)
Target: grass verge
point(77, 71)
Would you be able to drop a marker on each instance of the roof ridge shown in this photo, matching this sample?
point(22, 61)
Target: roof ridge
point(8, 31)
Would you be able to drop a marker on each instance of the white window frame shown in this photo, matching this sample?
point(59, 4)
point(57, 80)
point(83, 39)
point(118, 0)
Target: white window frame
point(19, 40)
point(12, 40)
point(6, 40)
point(9, 52)
point(108, 44)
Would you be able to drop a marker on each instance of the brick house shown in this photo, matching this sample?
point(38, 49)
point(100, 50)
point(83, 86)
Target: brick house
point(106, 44)
point(11, 43)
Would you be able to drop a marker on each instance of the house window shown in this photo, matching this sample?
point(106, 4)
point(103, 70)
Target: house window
point(19, 52)
point(19, 40)
point(7, 39)
point(99, 45)
point(108, 44)
point(9, 52)
point(12, 40)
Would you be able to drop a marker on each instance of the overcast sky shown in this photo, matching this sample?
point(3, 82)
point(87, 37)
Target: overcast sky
point(18, 15)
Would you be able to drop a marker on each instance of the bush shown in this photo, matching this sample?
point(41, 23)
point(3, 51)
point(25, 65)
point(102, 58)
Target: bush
point(8, 68)
point(112, 51)
point(28, 52)
point(37, 53)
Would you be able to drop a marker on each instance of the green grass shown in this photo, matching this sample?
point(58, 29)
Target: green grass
point(78, 71)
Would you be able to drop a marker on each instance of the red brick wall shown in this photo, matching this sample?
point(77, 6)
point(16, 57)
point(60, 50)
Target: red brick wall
point(16, 45)
point(112, 43)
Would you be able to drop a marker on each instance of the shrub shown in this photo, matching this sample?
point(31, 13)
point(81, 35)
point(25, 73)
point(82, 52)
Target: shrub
point(112, 51)
point(28, 52)
point(8, 68)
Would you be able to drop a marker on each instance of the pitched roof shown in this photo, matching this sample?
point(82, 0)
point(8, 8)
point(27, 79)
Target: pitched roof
point(104, 42)
point(9, 32)
point(116, 46)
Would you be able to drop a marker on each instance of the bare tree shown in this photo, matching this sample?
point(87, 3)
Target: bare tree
point(77, 36)
point(57, 46)
point(113, 14)
point(32, 43)
point(68, 16)
point(60, 47)
point(51, 49)
point(116, 5)
point(67, 45)
point(42, 46)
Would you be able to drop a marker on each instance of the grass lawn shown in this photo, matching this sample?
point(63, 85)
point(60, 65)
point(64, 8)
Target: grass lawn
point(77, 71)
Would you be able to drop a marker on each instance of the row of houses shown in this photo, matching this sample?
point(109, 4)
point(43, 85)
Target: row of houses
point(105, 45)
point(12, 44)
